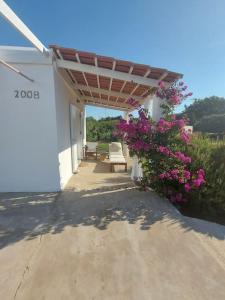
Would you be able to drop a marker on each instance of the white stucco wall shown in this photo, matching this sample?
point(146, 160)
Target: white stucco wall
point(62, 101)
point(28, 135)
point(63, 97)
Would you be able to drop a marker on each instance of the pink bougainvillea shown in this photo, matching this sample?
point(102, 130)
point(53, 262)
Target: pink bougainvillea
point(158, 146)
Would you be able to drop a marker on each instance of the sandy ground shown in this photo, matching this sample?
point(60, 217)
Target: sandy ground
point(103, 239)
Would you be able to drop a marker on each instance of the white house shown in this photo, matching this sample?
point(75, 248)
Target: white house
point(43, 93)
point(38, 122)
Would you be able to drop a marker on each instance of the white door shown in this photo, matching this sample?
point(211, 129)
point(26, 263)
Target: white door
point(74, 140)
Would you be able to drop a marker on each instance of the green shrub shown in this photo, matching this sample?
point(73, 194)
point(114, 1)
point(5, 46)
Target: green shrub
point(102, 129)
point(210, 155)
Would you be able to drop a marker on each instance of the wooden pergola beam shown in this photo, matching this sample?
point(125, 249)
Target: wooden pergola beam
point(105, 102)
point(76, 66)
point(107, 105)
point(105, 92)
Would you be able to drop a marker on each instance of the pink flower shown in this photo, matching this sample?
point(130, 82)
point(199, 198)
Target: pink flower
point(174, 173)
point(164, 150)
point(201, 173)
point(163, 125)
point(180, 123)
point(162, 176)
point(182, 157)
point(187, 187)
point(198, 182)
point(181, 180)
point(143, 125)
point(139, 145)
point(172, 94)
point(187, 174)
point(161, 84)
point(185, 137)
point(175, 99)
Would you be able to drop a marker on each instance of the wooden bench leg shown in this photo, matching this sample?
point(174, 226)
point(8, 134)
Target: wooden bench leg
point(125, 167)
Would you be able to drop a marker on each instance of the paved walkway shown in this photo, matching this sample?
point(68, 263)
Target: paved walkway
point(103, 239)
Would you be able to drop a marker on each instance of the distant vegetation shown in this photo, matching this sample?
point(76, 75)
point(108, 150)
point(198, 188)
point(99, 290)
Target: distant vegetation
point(102, 129)
point(207, 115)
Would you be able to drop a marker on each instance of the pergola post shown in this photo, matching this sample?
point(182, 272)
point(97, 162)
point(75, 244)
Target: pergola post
point(156, 112)
point(125, 148)
point(153, 104)
point(148, 103)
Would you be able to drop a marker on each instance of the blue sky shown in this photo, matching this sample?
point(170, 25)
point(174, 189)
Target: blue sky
point(183, 36)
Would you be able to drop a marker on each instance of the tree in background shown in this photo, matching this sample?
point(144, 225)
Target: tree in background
point(102, 129)
point(211, 124)
point(207, 115)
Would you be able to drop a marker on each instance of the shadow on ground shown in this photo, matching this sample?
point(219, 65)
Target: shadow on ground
point(27, 216)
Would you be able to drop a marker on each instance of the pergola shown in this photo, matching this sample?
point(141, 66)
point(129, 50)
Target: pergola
point(108, 82)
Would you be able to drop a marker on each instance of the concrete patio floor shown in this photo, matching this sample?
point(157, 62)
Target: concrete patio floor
point(103, 239)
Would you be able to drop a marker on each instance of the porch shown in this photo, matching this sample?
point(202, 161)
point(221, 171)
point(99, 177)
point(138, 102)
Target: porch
point(105, 82)
point(96, 174)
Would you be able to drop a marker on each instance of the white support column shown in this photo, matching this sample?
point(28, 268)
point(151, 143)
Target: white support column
point(153, 106)
point(156, 112)
point(125, 148)
point(148, 104)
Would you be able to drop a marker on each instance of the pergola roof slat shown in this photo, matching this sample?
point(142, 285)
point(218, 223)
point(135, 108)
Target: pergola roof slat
point(105, 92)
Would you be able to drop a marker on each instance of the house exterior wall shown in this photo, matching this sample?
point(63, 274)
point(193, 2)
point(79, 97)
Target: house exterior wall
point(63, 98)
point(28, 130)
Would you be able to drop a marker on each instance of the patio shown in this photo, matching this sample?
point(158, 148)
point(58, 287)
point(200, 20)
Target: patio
point(103, 239)
point(96, 174)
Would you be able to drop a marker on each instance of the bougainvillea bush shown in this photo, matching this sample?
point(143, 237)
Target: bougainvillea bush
point(166, 169)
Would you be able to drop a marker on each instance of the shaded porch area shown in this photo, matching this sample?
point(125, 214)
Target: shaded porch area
point(96, 174)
